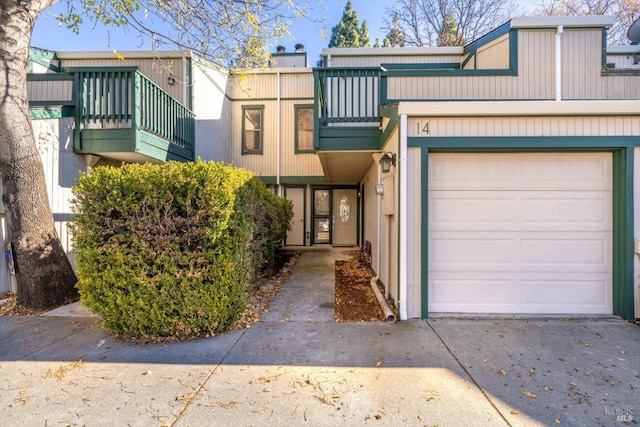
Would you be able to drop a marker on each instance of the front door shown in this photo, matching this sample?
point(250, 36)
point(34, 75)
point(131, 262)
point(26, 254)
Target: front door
point(295, 236)
point(344, 217)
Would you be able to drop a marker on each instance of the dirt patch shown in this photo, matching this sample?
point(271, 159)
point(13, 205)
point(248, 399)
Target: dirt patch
point(355, 301)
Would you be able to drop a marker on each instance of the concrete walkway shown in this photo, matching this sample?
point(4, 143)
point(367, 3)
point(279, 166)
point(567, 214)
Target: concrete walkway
point(298, 367)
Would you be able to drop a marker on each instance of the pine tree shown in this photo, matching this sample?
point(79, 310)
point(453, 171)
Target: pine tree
point(348, 32)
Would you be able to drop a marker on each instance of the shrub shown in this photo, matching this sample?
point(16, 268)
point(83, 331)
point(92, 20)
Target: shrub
point(171, 249)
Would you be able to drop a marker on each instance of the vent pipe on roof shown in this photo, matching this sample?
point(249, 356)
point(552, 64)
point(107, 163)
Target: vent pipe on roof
point(299, 48)
point(281, 49)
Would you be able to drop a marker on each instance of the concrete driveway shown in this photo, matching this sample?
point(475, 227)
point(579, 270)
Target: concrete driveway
point(298, 367)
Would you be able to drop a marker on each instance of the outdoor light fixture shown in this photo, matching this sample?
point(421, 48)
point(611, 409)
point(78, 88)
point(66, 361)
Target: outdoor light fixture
point(388, 160)
point(171, 80)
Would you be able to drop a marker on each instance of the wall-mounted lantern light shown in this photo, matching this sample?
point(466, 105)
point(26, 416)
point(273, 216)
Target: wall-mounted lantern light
point(388, 160)
point(171, 80)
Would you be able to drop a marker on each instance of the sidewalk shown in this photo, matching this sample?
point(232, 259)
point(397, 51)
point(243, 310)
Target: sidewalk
point(298, 367)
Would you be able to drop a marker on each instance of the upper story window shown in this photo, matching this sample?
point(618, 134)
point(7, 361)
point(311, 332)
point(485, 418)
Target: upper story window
point(252, 129)
point(304, 129)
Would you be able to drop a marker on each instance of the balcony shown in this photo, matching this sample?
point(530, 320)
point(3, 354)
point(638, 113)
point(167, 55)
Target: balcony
point(122, 115)
point(347, 108)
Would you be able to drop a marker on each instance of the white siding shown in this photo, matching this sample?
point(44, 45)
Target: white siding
point(210, 106)
point(54, 139)
point(494, 55)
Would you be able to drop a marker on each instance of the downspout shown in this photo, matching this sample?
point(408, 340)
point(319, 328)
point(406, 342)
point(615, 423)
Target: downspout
point(559, 63)
point(402, 244)
point(382, 299)
point(278, 133)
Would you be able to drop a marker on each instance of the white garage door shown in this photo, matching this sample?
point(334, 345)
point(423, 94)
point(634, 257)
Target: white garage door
point(520, 233)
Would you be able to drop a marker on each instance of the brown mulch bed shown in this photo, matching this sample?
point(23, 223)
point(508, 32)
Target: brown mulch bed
point(355, 301)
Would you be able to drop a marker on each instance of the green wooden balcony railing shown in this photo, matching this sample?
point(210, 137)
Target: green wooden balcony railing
point(123, 98)
point(347, 94)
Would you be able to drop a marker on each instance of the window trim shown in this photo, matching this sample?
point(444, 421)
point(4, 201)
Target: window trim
point(298, 107)
point(261, 130)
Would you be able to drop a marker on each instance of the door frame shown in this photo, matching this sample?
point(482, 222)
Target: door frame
point(313, 216)
point(621, 147)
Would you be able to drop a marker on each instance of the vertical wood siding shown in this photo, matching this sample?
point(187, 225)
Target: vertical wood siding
point(534, 79)
point(296, 88)
point(373, 61)
point(151, 68)
point(54, 139)
point(529, 126)
point(494, 55)
point(50, 90)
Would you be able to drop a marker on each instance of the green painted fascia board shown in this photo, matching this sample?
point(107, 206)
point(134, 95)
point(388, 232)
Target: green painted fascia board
point(350, 144)
point(604, 49)
point(105, 141)
point(291, 98)
point(513, 51)
point(623, 196)
point(347, 132)
point(424, 234)
point(60, 103)
point(450, 73)
point(39, 57)
point(489, 37)
point(98, 69)
point(316, 109)
point(388, 130)
point(422, 66)
point(159, 148)
point(50, 113)
point(517, 143)
point(39, 77)
point(293, 179)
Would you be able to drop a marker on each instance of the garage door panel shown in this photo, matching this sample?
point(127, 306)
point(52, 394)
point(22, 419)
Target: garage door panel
point(565, 171)
point(513, 211)
point(447, 293)
point(585, 291)
point(467, 250)
point(588, 212)
point(533, 237)
point(566, 249)
point(471, 208)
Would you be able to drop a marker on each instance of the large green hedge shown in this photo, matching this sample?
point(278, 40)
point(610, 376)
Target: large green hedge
point(172, 249)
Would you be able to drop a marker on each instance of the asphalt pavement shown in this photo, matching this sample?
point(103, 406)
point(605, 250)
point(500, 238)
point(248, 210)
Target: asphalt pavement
point(299, 367)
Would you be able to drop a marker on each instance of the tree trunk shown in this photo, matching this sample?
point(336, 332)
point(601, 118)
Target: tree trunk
point(43, 272)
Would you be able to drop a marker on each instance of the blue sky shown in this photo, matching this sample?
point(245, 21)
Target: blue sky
point(49, 35)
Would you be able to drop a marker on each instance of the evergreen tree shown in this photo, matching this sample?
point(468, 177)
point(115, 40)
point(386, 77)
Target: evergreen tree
point(348, 32)
point(395, 36)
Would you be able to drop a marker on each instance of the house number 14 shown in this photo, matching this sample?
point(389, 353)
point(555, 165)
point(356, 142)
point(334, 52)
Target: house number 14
point(422, 128)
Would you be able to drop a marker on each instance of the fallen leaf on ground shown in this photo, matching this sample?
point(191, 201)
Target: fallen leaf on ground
point(529, 394)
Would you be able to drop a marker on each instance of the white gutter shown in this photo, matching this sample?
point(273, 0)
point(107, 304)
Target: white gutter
point(402, 247)
point(279, 137)
point(559, 63)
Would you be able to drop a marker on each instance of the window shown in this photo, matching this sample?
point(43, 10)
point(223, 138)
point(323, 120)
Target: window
point(304, 129)
point(252, 134)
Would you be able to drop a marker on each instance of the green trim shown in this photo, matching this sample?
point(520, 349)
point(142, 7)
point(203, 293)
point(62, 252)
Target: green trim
point(450, 73)
point(388, 130)
point(38, 56)
point(260, 108)
point(292, 98)
point(339, 138)
point(39, 77)
point(471, 49)
point(298, 107)
point(513, 51)
point(424, 233)
point(73, 70)
point(622, 149)
point(422, 66)
point(299, 180)
point(50, 113)
point(604, 49)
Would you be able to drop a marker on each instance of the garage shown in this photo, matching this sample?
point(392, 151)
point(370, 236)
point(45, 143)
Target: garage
point(522, 233)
